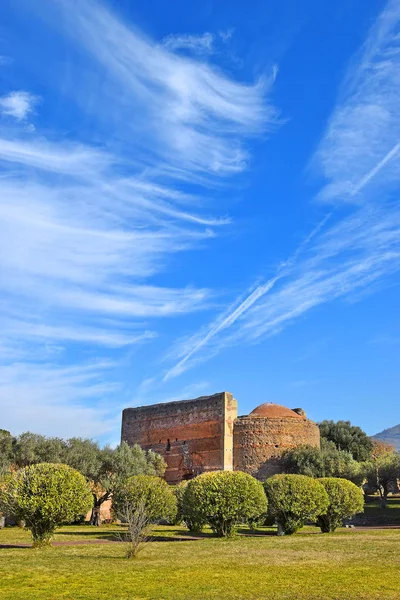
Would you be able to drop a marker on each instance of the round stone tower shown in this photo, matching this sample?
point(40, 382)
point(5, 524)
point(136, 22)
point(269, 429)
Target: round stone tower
point(260, 438)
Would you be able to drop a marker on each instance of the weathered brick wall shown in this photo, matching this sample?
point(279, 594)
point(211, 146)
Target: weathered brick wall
point(193, 436)
point(259, 442)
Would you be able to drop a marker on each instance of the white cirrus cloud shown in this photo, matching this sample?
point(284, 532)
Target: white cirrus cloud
point(196, 43)
point(359, 156)
point(91, 221)
point(57, 400)
point(18, 105)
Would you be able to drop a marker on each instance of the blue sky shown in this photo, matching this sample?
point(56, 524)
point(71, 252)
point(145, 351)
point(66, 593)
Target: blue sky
point(198, 197)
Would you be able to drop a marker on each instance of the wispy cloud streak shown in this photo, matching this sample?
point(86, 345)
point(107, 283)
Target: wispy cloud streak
point(359, 156)
point(198, 44)
point(232, 316)
point(89, 220)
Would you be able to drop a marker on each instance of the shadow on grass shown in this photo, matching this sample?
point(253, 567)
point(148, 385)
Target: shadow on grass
point(101, 535)
point(185, 533)
point(11, 546)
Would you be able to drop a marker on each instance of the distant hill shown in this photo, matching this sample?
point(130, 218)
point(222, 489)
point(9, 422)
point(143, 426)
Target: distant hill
point(391, 436)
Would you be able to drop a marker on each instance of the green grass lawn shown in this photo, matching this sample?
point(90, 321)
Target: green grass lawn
point(345, 565)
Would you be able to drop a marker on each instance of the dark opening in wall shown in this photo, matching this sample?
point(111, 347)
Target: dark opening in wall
point(168, 445)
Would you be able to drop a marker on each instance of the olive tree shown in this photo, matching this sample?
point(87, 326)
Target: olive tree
point(345, 500)
point(106, 468)
point(294, 500)
point(347, 437)
point(32, 448)
point(383, 469)
point(103, 468)
point(5, 450)
point(326, 461)
point(223, 499)
point(45, 496)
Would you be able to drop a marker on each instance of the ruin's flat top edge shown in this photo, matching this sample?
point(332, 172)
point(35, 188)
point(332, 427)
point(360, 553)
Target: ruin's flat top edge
point(174, 402)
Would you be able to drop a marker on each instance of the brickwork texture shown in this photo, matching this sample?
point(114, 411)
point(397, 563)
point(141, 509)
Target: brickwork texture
point(205, 434)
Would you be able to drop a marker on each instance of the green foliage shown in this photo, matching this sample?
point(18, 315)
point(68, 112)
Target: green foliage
point(153, 492)
point(295, 499)
point(179, 491)
point(223, 499)
point(345, 500)
point(347, 437)
point(32, 448)
point(189, 506)
point(104, 467)
point(325, 462)
point(383, 469)
point(45, 496)
point(85, 456)
point(5, 450)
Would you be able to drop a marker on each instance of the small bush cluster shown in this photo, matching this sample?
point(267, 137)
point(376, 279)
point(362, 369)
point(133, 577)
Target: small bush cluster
point(48, 495)
point(295, 500)
point(222, 499)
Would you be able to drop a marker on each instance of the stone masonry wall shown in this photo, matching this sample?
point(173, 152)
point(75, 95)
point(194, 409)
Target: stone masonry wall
point(193, 436)
point(259, 442)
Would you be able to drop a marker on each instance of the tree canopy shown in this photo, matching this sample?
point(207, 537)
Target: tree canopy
point(383, 469)
point(103, 467)
point(347, 437)
point(326, 461)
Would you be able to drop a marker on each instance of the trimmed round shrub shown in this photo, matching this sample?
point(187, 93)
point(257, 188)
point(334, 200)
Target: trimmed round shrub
point(153, 492)
point(45, 496)
point(223, 499)
point(294, 500)
point(345, 500)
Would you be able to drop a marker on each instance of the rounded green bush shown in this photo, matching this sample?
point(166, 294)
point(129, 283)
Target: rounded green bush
point(45, 496)
point(295, 499)
point(345, 500)
point(156, 495)
point(223, 499)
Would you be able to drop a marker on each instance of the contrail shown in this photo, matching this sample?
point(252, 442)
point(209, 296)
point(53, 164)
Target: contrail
point(260, 291)
point(363, 182)
point(282, 271)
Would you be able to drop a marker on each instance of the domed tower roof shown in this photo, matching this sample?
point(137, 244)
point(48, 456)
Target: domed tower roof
point(270, 410)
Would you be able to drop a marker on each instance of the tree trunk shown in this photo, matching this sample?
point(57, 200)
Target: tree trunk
point(95, 518)
point(384, 502)
point(383, 496)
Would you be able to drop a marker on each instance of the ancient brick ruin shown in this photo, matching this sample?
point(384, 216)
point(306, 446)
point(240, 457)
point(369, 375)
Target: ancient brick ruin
point(205, 434)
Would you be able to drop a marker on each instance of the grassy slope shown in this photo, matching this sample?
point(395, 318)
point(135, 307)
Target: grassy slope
point(347, 565)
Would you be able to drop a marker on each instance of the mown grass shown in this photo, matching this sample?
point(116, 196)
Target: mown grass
point(349, 564)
